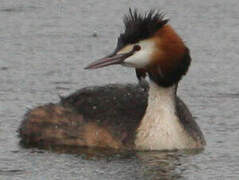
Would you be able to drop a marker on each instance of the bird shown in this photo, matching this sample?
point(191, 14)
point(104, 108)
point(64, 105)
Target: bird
point(147, 115)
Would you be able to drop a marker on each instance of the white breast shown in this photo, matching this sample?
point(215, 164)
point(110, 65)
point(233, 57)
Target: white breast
point(160, 128)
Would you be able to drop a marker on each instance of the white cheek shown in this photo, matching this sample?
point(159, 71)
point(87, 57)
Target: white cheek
point(140, 59)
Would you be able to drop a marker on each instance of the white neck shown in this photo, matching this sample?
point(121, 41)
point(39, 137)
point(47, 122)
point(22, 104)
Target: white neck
point(160, 128)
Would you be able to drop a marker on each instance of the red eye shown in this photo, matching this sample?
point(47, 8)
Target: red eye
point(136, 48)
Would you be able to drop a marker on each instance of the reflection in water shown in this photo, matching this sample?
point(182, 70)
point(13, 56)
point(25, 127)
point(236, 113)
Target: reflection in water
point(163, 165)
point(83, 152)
point(151, 165)
point(11, 172)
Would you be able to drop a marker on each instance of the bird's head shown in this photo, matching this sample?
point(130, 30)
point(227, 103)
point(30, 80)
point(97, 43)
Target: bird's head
point(152, 47)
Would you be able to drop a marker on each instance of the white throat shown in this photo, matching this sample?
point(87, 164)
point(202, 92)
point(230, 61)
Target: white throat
point(160, 128)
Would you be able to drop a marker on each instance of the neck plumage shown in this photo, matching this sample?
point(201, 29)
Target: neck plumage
point(160, 127)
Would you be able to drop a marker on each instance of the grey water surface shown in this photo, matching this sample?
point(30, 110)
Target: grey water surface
point(44, 45)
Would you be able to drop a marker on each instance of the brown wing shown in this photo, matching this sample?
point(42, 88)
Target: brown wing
point(97, 116)
point(118, 108)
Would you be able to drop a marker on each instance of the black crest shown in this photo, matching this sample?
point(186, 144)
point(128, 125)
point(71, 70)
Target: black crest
point(139, 27)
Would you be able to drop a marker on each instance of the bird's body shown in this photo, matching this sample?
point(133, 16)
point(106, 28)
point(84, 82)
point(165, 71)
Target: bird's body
point(108, 116)
point(142, 117)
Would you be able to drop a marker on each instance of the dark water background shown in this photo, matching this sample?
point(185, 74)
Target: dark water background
point(44, 45)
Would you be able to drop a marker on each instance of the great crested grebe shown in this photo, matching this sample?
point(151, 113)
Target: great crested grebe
point(141, 117)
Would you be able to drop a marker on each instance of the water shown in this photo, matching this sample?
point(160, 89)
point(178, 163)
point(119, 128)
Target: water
point(44, 46)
